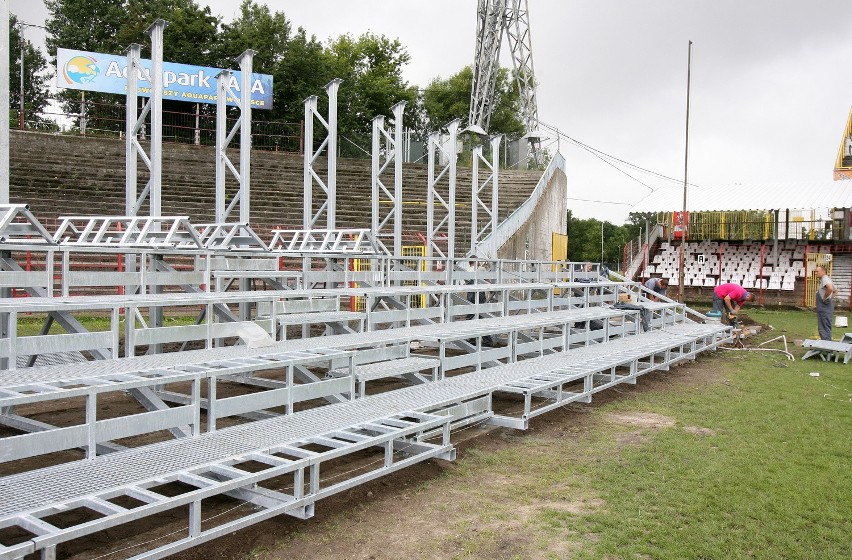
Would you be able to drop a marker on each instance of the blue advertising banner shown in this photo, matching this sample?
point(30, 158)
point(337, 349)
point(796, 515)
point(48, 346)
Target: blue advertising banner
point(107, 73)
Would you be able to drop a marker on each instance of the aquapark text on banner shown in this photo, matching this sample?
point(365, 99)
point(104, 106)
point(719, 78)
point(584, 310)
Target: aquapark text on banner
point(107, 73)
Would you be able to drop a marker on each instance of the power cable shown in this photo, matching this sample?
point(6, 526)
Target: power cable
point(602, 154)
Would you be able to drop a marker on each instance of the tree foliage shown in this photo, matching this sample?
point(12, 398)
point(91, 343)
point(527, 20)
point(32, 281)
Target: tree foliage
point(371, 69)
point(584, 240)
point(446, 100)
point(191, 37)
point(302, 72)
point(85, 25)
point(36, 75)
point(370, 65)
point(258, 29)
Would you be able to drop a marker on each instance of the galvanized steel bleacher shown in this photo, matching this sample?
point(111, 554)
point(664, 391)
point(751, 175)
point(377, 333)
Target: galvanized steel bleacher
point(393, 379)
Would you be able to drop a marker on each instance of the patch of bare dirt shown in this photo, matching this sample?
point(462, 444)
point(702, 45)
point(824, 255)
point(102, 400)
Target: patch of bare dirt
point(642, 419)
point(632, 438)
point(695, 430)
point(574, 507)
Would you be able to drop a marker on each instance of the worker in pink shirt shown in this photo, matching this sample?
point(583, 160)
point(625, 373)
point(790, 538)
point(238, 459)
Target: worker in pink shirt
point(729, 298)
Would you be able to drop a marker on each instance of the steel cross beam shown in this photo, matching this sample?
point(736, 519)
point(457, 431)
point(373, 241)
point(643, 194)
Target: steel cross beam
point(224, 137)
point(227, 237)
point(128, 231)
point(329, 145)
point(391, 149)
point(324, 241)
point(479, 231)
point(441, 205)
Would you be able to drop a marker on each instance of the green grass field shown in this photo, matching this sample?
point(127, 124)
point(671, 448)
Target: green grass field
point(762, 470)
point(772, 480)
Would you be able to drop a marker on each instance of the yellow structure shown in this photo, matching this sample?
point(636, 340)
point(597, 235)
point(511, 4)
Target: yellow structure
point(363, 265)
point(728, 226)
point(812, 282)
point(843, 165)
point(559, 250)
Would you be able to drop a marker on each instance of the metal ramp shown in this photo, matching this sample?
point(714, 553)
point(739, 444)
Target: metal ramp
point(395, 424)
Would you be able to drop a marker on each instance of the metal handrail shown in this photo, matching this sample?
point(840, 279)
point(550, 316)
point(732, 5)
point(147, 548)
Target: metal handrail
point(507, 228)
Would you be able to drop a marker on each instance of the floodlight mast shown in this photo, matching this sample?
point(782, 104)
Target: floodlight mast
point(494, 17)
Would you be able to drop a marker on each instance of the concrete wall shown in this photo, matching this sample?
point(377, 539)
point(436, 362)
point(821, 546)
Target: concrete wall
point(534, 239)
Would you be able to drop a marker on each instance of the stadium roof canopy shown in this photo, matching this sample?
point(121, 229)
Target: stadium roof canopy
point(793, 196)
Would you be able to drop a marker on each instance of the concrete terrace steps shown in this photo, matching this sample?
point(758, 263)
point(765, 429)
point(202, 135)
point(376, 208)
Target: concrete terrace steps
point(44, 172)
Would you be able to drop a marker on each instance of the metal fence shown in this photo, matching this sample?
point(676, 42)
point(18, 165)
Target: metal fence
point(94, 118)
point(812, 225)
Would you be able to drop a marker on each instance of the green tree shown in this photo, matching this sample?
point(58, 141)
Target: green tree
point(259, 29)
point(371, 68)
point(191, 37)
point(445, 100)
point(303, 70)
point(36, 75)
point(89, 25)
point(584, 241)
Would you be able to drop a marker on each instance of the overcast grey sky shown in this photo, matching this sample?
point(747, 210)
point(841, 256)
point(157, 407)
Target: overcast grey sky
point(771, 87)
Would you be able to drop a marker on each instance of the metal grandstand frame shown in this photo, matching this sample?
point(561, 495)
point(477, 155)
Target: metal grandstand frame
point(398, 425)
point(389, 148)
point(328, 206)
point(479, 232)
point(543, 333)
point(224, 138)
point(441, 204)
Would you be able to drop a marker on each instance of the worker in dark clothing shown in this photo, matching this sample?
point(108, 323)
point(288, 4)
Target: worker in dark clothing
point(658, 286)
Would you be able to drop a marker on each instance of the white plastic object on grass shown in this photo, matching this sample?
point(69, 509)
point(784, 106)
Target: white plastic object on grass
point(814, 374)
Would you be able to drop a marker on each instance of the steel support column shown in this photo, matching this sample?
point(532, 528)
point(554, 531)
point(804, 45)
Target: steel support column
point(389, 147)
point(329, 144)
point(155, 31)
point(135, 123)
point(440, 204)
point(131, 129)
point(224, 91)
point(479, 231)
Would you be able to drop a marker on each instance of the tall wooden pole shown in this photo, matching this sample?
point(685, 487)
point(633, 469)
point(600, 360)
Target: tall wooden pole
point(685, 224)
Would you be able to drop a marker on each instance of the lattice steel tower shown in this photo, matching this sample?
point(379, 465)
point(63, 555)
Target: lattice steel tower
point(494, 17)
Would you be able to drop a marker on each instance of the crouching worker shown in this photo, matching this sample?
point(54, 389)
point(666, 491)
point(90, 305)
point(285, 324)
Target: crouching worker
point(728, 299)
point(657, 286)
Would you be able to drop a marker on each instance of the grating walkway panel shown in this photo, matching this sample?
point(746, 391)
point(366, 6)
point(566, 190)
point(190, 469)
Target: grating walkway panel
point(32, 490)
